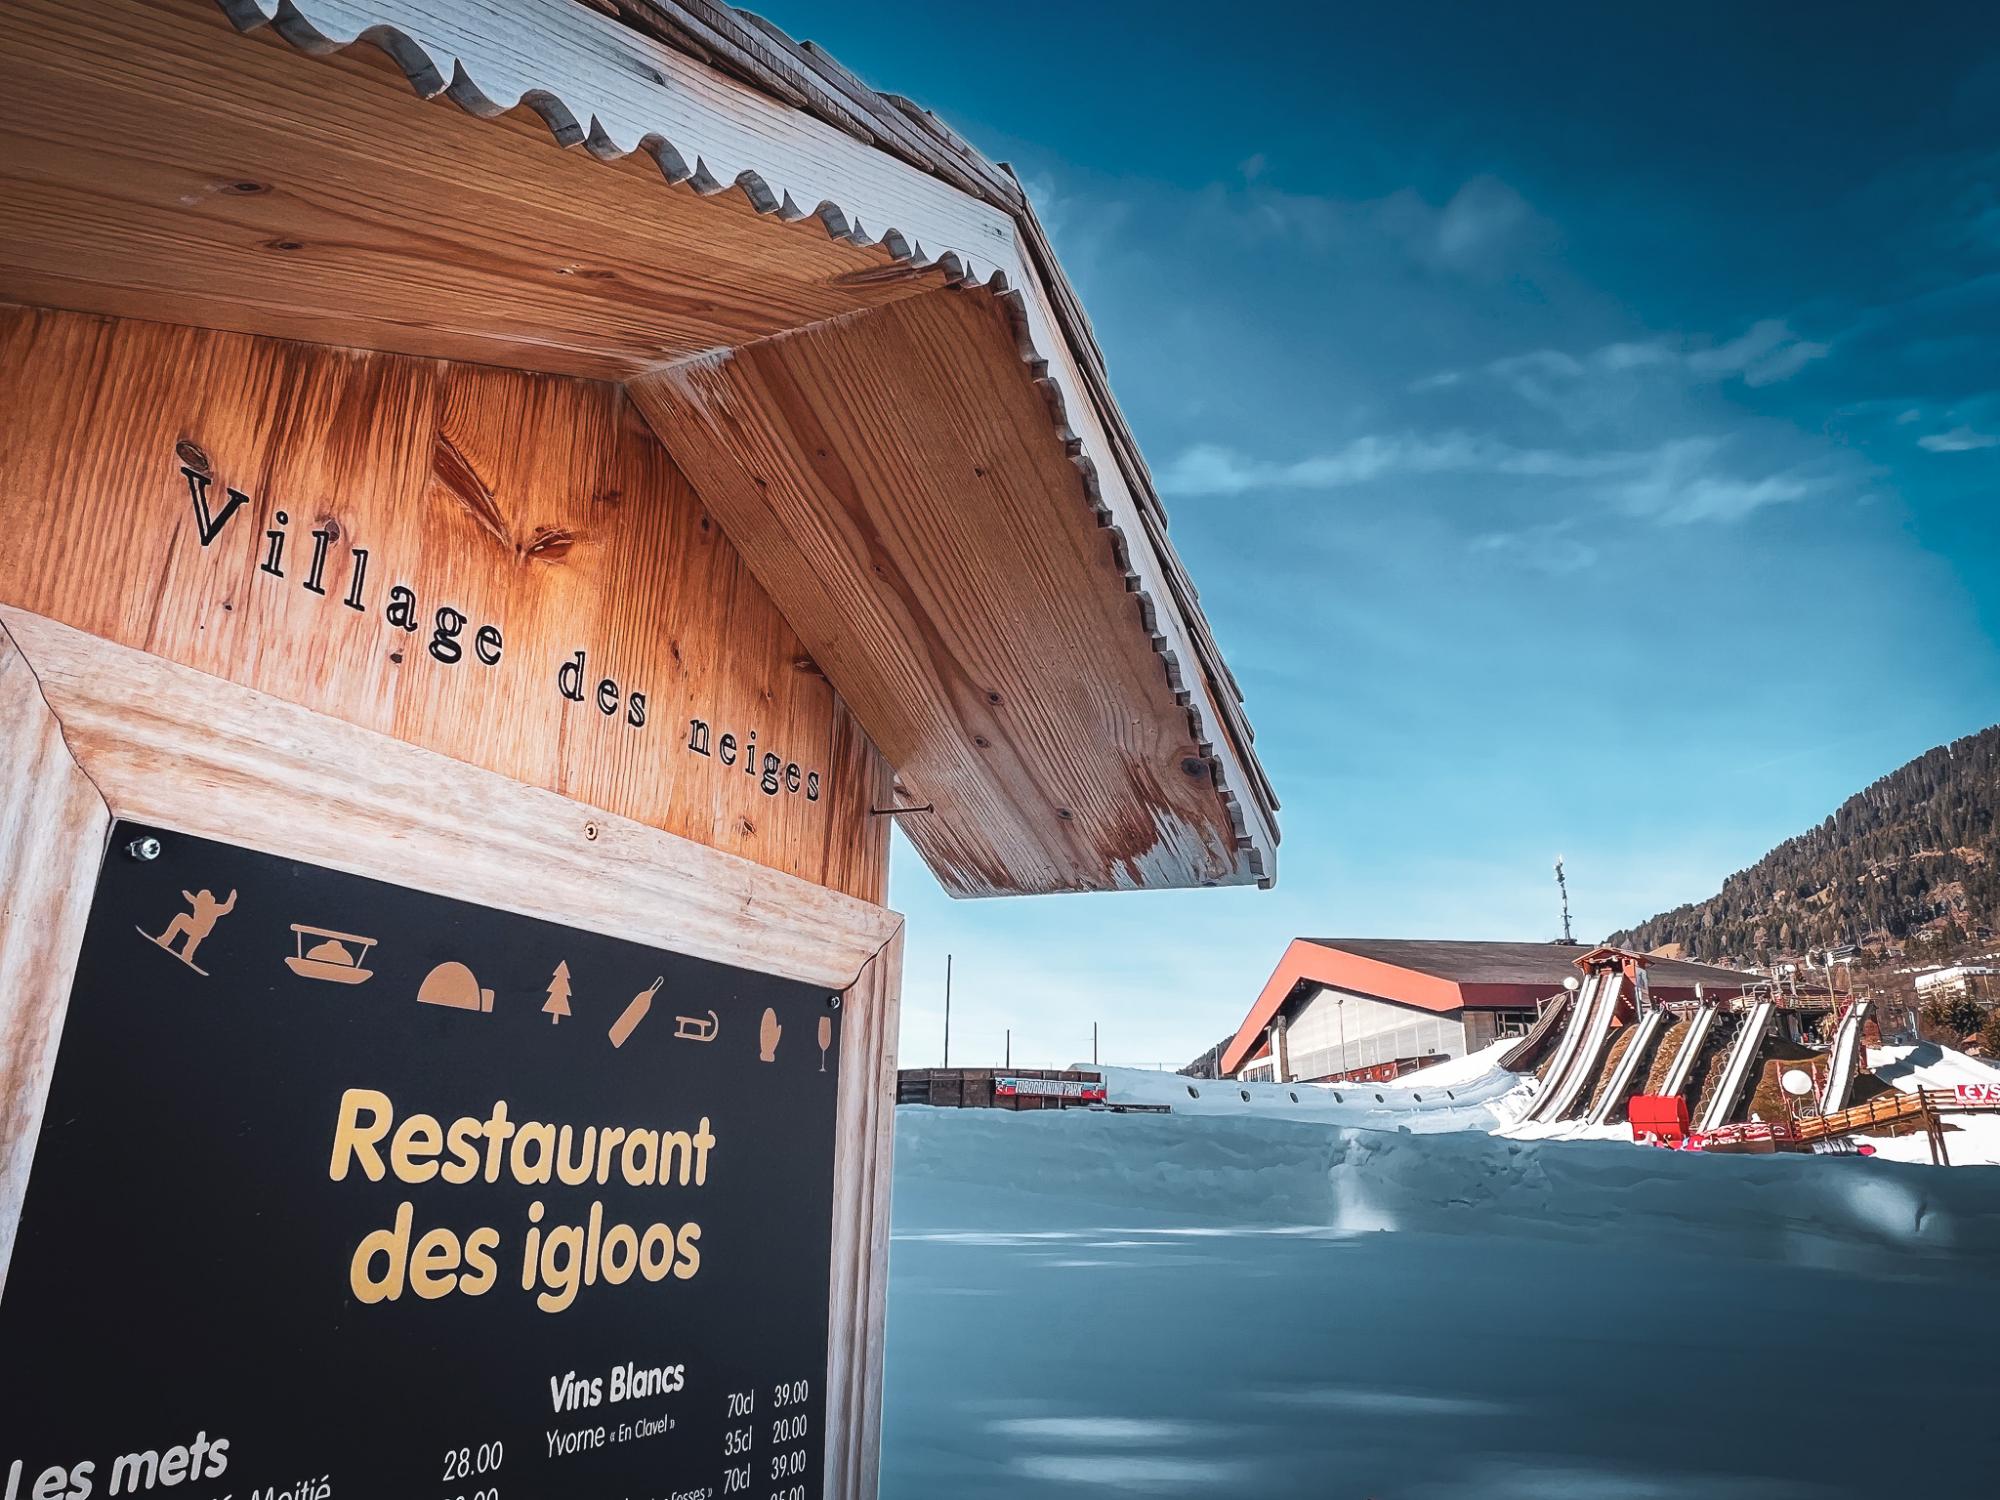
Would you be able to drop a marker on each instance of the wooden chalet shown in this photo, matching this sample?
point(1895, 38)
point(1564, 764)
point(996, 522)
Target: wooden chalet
point(590, 464)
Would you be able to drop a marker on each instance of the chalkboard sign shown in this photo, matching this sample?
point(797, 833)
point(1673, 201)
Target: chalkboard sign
point(348, 1190)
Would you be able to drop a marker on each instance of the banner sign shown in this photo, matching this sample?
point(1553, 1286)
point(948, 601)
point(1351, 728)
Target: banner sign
point(348, 1190)
point(1088, 1091)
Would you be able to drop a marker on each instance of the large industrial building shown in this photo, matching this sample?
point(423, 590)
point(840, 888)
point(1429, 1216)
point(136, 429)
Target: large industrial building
point(1335, 1006)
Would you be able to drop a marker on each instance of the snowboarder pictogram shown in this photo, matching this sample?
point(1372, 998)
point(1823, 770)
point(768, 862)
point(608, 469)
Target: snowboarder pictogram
point(192, 925)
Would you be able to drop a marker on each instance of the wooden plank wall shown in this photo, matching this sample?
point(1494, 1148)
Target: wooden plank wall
point(538, 504)
point(170, 746)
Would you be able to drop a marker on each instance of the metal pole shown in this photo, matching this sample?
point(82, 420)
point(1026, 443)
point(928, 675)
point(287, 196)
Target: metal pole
point(1093, 1044)
point(947, 1010)
point(1010, 1049)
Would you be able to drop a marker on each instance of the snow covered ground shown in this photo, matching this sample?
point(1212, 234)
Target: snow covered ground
point(1091, 1305)
point(1475, 1093)
point(1468, 1093)
point(1976, 1139)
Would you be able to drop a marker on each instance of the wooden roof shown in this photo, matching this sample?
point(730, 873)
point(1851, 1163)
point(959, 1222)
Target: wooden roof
point(1467, 962)
point(1000, 603)
point(1440, 976)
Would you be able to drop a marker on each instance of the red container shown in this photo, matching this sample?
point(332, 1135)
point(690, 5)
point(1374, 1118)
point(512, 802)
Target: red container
point(1660, 1117)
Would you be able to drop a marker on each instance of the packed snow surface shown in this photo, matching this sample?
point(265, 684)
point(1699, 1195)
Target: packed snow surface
point(1092, 1305)
point(1929, 1066)
point(1970, 1139)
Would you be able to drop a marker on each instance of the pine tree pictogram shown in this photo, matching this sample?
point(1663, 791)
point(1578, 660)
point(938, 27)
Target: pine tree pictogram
point(558, 1005)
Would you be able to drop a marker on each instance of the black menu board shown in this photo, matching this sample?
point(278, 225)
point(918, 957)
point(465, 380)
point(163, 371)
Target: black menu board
point(344, 1189)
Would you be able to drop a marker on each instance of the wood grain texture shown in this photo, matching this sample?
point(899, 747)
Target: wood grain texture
point(168, 745)
point(229, 182)
point(539, 503)
point(221, 181)
point(864, 1150)
point(53, 825)
point(895, 483)
point(1056, 335)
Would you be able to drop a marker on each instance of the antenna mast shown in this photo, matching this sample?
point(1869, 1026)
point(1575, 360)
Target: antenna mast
point(1563, 886)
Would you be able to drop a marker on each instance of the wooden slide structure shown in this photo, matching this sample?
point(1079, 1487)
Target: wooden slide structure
point(1522, 1055)
point(1743, 1050)
point(1842, 1065)
point(1581, 1050)
point(1691, 1048)
point(1625, 1075)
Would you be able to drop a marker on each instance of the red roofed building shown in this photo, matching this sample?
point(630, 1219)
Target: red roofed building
point(1337, 1004)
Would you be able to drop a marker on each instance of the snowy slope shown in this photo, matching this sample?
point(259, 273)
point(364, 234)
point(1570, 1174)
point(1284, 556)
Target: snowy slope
point(1094, 1305)
point(1929, 1067)
point(1976, 1139)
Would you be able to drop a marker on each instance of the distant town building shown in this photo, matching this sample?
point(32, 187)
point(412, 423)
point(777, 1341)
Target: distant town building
point(1974, 981)
point(1337, 1005)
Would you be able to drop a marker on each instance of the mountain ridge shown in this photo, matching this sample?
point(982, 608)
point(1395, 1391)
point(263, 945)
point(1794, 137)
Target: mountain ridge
point(1912, 858)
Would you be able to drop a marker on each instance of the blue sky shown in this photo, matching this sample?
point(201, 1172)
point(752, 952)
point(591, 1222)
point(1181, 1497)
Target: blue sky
point(1582, 423)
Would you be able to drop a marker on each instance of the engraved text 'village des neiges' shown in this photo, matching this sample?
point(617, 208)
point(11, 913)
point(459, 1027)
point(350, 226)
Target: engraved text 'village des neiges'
point(447, 643)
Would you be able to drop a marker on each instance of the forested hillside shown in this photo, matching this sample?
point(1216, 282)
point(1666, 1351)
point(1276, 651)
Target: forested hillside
point(1913, 859)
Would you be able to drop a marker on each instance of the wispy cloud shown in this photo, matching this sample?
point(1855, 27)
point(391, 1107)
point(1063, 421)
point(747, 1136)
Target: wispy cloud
point(1483, 225)
point(1211, 469)
point(1959, 439)
point(1546, 549)
point(1482, 216)
point(1442, 381)
point(1681, 483)
point(1678, 482)
point(1767, 352)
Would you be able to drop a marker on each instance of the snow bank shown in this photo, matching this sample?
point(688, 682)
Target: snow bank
point(1468, 1093)
point(1474, 1068)
point(1345, 1180)
point(1093, 1305)
point(1475, 1094)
